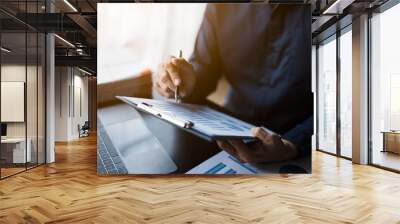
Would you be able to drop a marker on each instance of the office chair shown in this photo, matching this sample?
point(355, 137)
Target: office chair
point(84, 130)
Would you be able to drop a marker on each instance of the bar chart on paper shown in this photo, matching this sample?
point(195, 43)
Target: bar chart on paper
point(222, 163)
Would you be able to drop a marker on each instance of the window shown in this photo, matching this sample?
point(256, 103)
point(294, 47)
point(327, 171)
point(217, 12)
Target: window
point(334, 106)
point(385, 89)
point(327, 96)
point(346, 93)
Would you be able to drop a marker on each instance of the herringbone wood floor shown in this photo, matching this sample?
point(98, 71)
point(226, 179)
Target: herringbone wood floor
point(70, 191)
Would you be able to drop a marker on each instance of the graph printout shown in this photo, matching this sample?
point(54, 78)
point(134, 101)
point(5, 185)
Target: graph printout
point(222, 163)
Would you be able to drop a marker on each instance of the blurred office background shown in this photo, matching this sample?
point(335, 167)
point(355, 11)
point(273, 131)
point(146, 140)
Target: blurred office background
point(136, 36)
point(356, 61)
point(48, 82)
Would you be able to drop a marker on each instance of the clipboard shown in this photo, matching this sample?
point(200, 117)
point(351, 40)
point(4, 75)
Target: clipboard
point(201, 121)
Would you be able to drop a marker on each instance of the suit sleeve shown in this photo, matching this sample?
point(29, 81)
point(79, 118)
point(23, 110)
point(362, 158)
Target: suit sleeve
point(301, 135)
point(205, 57)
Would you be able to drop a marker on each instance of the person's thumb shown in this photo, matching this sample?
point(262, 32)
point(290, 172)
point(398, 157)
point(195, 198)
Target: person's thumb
point(264, 135)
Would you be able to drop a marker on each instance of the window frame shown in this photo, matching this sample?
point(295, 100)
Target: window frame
point(333, 37)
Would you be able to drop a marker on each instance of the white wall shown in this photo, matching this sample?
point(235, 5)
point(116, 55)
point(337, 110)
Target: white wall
point(82, 82)
point(61, 103)
point(13, 100)
point(33, 126)
point(80, 94)
point(12, 73)
point(70, 83)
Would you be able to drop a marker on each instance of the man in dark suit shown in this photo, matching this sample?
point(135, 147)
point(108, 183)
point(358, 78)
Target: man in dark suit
point(264, 51)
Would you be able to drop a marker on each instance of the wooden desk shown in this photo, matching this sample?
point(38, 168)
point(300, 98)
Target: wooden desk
point(391, 141)
point(13, 150)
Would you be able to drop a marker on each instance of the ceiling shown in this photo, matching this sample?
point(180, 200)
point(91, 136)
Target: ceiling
point(76, 25)
point(76, 22)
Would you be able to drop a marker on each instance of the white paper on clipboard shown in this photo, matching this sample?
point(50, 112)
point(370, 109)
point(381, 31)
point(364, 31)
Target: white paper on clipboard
point(206, 120)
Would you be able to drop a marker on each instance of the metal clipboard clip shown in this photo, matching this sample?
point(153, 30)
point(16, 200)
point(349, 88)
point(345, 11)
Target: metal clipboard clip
point(177, 121)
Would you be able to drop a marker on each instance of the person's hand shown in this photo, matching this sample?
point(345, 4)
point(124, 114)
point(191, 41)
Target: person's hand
point(270, 148)
point(175, 72)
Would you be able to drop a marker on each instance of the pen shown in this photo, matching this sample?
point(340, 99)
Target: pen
point(177, 100)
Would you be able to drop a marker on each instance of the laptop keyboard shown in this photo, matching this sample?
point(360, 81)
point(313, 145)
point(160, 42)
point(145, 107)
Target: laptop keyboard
point(108, 159)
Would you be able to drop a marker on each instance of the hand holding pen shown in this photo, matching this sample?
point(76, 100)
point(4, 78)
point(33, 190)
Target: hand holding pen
point(175, 78)
point(177, 96)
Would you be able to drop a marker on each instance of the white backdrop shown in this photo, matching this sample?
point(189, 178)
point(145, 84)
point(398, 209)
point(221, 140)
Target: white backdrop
point(132, 37)
point(12, 101)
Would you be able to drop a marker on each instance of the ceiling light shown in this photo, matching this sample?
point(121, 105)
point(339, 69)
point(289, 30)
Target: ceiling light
point(337, 7)
point(65, 41)
point(70, 5)
point(80, 51)
point(5, 50)
point(84, 71)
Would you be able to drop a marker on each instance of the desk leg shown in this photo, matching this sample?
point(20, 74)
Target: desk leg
point(384, 142)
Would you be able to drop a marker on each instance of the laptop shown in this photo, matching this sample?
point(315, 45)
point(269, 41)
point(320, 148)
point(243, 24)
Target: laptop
point(126, 146)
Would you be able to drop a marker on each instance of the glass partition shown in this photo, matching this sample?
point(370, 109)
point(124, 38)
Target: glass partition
point(32, 98)
point(34, 70)
point(23, 90)
point(41, 107)
point(14, 153)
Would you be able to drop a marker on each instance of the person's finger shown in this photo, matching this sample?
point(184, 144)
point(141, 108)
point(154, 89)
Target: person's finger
point(165, 78)
point(179, 62)
point(264, 136)
point(164, 86)
point(173, 72)
point(184, 68)
point(229, 149)
point(159, 90)
point(166, 93)
point(162, 73)
point(242, 150)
